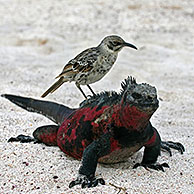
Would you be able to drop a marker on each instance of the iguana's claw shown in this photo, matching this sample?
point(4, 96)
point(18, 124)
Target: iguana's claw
point(85, 181)
point(23, 139)
point(167, 145)
point(153, 166)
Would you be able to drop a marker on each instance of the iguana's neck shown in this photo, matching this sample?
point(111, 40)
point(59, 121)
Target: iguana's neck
point(130, 117)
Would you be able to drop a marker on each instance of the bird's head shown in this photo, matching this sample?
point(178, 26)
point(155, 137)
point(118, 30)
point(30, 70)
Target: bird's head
point(115, 43)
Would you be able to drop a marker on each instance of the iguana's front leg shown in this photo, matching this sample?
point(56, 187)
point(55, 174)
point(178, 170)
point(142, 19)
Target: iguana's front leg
point(91, 154)
point(151, 153)
point(167, 145)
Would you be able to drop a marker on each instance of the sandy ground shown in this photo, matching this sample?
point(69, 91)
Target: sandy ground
point(38, 37)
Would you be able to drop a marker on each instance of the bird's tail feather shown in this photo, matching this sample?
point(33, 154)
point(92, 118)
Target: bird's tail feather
point(55, 86)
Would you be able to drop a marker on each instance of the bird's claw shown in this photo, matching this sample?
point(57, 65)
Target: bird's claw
point(89, 96)
point(152, 166)
point(86, 182)
point(167, 145)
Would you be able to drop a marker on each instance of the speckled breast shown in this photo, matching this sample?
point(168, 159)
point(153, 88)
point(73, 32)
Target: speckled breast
point(100, 68)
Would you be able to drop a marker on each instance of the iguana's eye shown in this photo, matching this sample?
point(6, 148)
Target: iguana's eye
point(136, 95)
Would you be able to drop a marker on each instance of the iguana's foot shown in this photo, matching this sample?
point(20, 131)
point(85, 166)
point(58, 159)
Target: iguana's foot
point(85, 181)
point(167, 145)
point(153, 166)
point(23, 139)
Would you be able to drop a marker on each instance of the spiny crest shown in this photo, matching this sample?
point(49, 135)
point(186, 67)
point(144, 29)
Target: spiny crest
point(130, 82)
point(101, 99)
point(109, 97)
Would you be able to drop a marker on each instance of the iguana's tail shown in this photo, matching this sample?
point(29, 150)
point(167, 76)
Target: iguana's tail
point(53, 111)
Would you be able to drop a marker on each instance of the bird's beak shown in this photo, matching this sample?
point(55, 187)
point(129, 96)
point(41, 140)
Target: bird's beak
point(129, 45)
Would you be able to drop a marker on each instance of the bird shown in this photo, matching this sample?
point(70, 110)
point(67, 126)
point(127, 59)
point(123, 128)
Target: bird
point(91, 65)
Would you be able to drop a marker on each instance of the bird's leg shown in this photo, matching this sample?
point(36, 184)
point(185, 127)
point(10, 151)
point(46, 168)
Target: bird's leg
point(78, 86)
point(91, 90)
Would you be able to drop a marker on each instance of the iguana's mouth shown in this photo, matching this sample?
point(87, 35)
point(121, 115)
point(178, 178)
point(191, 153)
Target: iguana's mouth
point(147, 106)
point(150, 104)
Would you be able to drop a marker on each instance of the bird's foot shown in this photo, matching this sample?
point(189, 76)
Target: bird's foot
point(86, 182)
point(89, 96)
point(23, 139)
point(167, 145)
point(152, 166)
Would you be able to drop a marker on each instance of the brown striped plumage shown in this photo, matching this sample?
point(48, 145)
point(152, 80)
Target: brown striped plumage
point(91, 65)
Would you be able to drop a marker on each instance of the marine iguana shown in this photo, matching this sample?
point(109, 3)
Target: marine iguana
point(108, 128)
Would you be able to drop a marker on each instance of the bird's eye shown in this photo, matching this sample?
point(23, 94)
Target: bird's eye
point(115, 43)
point(136, 95)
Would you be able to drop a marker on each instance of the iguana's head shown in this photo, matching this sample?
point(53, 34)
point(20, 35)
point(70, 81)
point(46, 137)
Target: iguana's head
point(133, 96)
point(142, 96)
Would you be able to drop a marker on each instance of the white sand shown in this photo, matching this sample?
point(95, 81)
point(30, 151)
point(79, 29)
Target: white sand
point(37, 37)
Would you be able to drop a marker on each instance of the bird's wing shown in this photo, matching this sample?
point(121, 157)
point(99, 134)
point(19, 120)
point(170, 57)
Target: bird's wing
point(82, 63)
